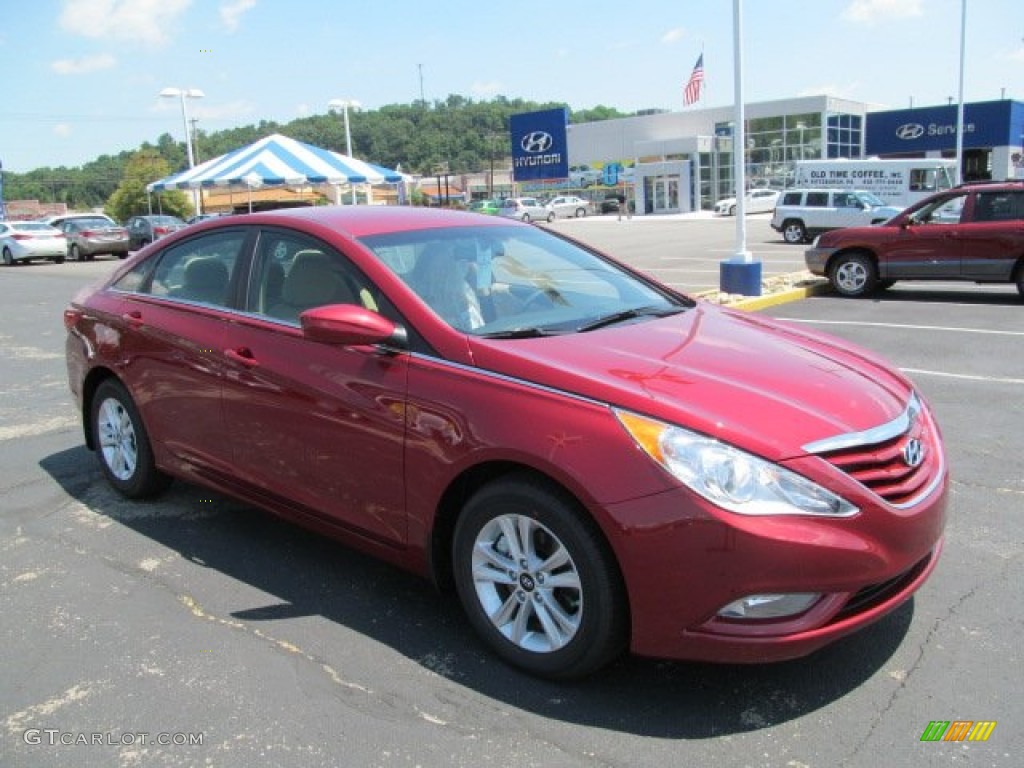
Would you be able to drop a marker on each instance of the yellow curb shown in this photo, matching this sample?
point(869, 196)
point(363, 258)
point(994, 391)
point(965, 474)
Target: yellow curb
point(755, 303)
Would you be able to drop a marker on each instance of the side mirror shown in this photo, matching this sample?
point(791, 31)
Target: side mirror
point(351, 326)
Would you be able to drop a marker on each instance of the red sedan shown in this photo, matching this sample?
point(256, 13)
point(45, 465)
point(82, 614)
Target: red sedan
point(592, 460)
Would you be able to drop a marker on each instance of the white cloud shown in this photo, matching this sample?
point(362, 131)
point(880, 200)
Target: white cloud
point(492, 88)
point(83, 65)
point(231, 14)
point(674, 35)
point(141, 21)
point(870, 11)
point(62, 130)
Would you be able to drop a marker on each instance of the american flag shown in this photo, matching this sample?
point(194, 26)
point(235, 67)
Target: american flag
point(691, 94)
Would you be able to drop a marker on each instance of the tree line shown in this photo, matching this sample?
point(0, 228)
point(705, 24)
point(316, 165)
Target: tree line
point(458, 134)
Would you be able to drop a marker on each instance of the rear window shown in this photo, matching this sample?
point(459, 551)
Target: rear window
point(999, 206)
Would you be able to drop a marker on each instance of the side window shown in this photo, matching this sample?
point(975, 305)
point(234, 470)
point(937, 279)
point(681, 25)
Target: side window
point(998, 206)
point(817, 199)
point(293, 273)
point(199, 269)
point(792, 198)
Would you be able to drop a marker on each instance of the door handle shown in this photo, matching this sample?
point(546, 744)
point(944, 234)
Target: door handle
point(133, 318)
point(242, 356)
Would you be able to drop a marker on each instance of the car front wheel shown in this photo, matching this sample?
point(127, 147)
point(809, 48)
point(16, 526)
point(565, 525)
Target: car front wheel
point(854, 275)
point(122, 444)
point(581, 212)
point(8, 257)
point(793, 232)
point(537, 581)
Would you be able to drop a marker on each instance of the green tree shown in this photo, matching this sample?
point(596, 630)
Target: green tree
point(131, 199)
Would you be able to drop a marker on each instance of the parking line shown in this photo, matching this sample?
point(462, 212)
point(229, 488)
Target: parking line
point(943, 328)
point(967, 376)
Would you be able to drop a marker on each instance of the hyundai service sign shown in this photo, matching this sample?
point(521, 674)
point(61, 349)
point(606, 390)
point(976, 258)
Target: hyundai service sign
point(539, 147)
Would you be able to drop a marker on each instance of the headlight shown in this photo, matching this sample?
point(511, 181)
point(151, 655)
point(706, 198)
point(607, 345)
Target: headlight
point(728, 477)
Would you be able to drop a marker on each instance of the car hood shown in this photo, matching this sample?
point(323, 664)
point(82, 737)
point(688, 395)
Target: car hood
point(758, 384)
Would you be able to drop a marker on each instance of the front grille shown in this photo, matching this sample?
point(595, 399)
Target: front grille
point(900, 461)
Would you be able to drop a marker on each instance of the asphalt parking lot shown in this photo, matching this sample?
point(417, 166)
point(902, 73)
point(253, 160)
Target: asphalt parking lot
point(239, 640)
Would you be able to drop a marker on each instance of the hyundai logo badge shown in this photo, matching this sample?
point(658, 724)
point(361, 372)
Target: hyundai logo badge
point(536, 142)
point(910, 131)
point(913, 452)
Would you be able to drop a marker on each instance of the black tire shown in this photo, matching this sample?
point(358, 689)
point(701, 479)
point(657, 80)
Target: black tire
point(566, 631)
point(581, 213)
point(1020, 280)
point(732, 210)
point(526, 218)
point(122, 443)
point(8, 257)
point(59, 260)
point(75, 253)
point(551, 217)
point(794, 232)
point(853, 275)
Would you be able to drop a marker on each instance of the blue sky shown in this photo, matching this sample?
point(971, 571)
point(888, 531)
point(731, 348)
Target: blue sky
point(82, 77)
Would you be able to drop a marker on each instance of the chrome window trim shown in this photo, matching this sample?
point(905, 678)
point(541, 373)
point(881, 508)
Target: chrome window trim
point(873, 436)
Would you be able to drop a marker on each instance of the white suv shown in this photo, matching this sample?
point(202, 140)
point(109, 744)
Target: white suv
point(802, 214)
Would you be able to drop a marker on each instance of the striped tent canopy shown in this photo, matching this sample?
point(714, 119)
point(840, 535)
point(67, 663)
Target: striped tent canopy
point(277, 160)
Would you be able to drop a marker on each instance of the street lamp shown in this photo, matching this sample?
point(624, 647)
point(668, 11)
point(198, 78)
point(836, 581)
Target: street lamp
point(186, 93)
point(344, 105)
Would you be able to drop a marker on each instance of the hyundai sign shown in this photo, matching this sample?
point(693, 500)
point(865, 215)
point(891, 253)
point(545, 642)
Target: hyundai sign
point(539, 146)
point(986, 124)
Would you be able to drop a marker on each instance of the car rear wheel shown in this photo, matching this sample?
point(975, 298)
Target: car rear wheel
point(76, 253)
point(854, 275)
point(123, 446)
point(537, 581)
point(551, 217)
point(793, 232)
point(581, 212)
point(1020, 280)
point(526, 218)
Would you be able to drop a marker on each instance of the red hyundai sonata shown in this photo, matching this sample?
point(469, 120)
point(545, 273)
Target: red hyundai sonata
point(594, 461)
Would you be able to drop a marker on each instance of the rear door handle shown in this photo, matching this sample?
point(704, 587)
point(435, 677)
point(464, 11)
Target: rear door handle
point(133, 318)
point(242, 356)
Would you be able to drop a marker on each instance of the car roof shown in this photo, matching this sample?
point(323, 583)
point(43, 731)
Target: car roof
point(364, 220)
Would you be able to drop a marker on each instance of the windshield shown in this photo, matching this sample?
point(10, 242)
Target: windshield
point(517, 281)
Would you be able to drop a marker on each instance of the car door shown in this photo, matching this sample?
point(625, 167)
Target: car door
point(173, 331)
point(319, 425)
point(992, 235)
point(928, 247)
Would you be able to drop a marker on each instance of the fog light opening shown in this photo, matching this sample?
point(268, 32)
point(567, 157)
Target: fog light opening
point(769, 606)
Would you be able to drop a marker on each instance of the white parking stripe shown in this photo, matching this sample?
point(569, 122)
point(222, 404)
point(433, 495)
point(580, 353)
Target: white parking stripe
point(944, 328)
point(967, 376)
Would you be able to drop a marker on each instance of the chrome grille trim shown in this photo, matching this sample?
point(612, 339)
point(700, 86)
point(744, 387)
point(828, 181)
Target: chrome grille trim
point(873, 436)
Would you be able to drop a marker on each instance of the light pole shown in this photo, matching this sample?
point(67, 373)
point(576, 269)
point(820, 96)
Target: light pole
point(186, 93)
point(344, 105)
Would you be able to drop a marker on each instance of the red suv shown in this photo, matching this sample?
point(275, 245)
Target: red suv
point(971, 232)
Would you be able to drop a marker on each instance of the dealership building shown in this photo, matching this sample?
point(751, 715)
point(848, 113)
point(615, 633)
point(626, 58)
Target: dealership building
point(674, 162)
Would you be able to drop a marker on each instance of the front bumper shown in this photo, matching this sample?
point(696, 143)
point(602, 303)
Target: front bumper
point(680, 574)
point(817, 259)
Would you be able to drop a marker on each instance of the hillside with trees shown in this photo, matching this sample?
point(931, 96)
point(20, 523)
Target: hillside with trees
point(460, 133)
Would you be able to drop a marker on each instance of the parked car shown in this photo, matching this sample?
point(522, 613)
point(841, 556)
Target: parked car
point(584, 176)
point(755, 201)
point(143, 230)
point(971, 232)
point(58, 219)
point(801, 214)
point(595, 461)
point(490, 207)
point(204, 217)
point(612, 202)
point(525, 209)
point(87, 237)
point(23, 241)
point(570, 206)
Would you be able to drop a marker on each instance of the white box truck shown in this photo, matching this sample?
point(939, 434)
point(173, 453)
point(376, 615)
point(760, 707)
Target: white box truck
point(898, 182)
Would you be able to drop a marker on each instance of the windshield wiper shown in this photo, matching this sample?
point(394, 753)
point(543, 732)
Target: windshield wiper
point(520, 333)
point(628, 314)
